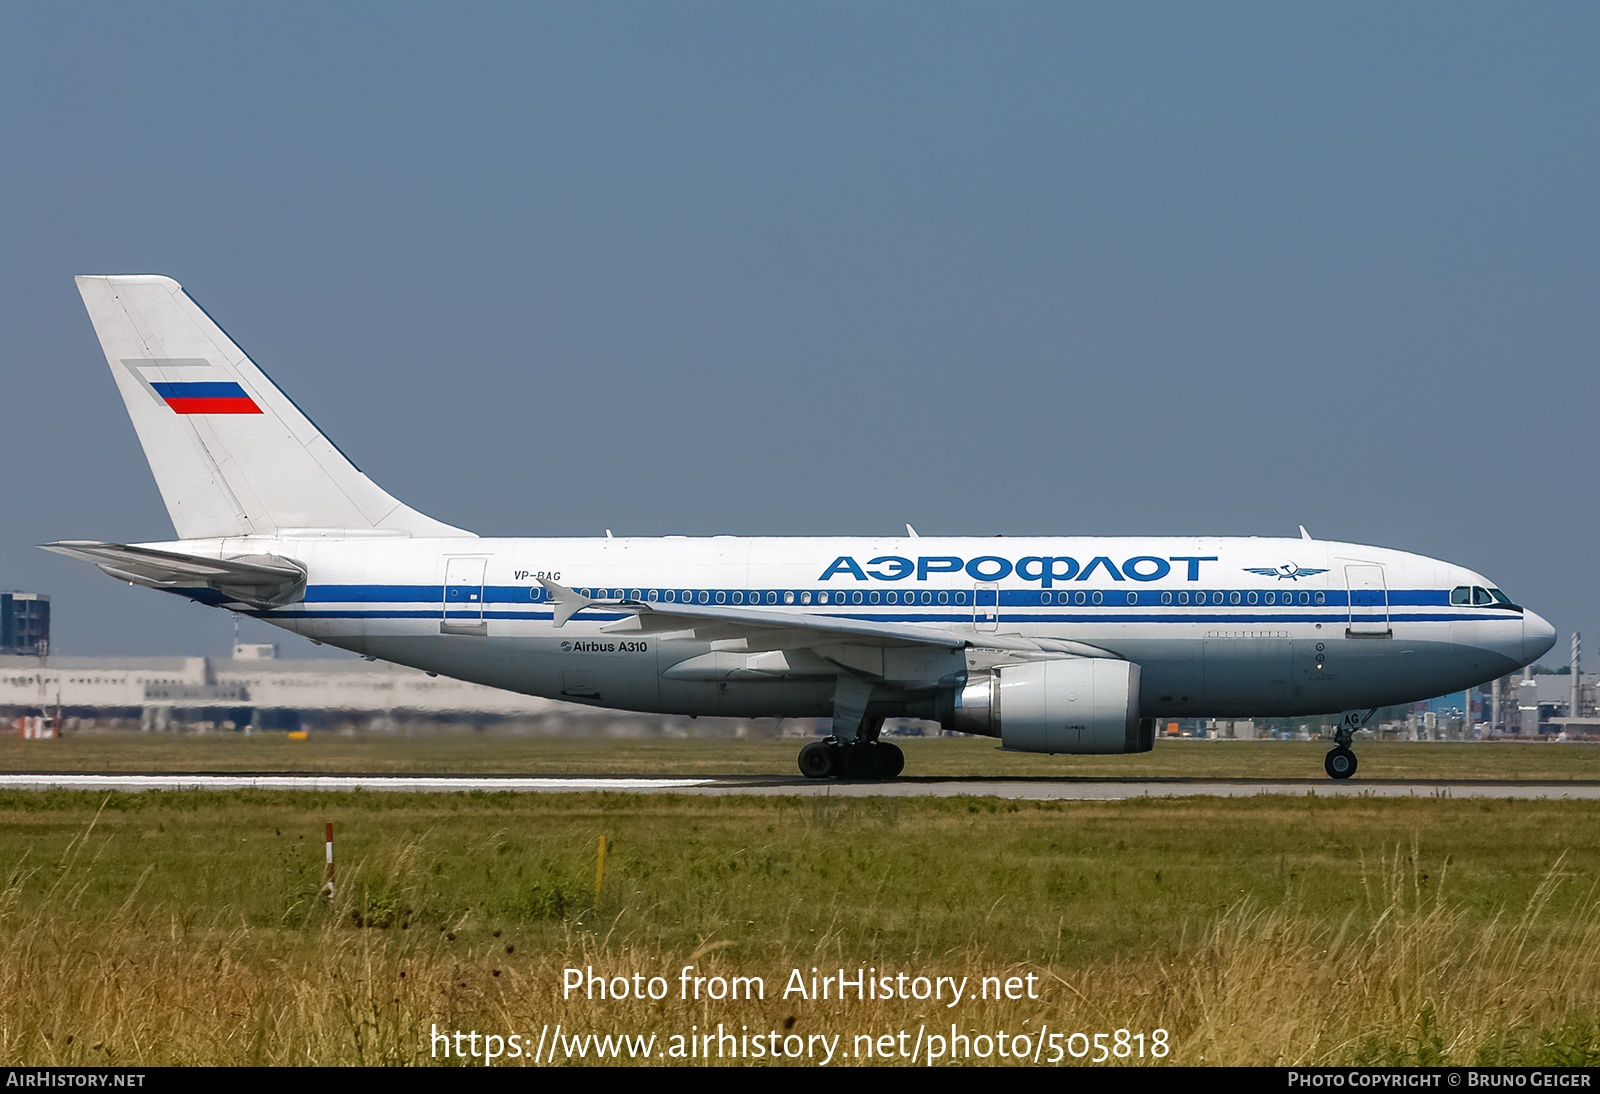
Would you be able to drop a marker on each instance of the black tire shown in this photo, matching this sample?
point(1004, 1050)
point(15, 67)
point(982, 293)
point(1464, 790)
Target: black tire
point(863, 761)
point(1340, 763)
point(818, 760)
point(894, 760)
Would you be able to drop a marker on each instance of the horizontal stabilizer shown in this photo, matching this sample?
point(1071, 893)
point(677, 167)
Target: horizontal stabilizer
point(261, 581)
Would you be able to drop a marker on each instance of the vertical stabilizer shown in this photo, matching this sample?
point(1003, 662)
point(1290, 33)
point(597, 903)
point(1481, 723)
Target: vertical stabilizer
point(231, 453)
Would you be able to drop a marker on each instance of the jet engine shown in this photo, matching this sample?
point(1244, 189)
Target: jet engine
point(1070, 705)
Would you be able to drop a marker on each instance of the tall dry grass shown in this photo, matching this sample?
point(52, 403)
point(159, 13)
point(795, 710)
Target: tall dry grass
point(1410, 978)
point(1407, 976)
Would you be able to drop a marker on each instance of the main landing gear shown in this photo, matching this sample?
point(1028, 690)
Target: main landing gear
point(852, 750)
point(1341, 761)
point(832, 758)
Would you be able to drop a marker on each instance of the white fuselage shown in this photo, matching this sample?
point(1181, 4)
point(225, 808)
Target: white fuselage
point(1218, 626)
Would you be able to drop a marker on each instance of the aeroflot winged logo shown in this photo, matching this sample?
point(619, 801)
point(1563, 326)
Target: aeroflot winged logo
point(204, 388)
point(1285, 570)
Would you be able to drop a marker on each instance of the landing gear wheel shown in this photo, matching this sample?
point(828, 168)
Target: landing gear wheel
point(863, 761)
point(873, 760)
point(1340, 763)
point(819, 759)
point(894, 761)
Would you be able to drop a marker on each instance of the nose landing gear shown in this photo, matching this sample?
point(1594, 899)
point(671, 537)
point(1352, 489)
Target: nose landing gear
point(1341, 761)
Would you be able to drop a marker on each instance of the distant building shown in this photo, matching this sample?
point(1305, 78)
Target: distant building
point(24, 624)
point(256, 689)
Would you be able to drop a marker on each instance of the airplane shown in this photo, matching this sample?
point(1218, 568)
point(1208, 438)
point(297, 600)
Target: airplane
point(1052, 645)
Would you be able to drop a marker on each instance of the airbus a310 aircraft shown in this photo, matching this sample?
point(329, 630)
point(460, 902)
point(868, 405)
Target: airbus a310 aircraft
point(1071, 645)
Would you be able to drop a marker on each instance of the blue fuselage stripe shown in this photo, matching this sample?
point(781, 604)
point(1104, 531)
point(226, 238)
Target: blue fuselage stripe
point(1026, 606)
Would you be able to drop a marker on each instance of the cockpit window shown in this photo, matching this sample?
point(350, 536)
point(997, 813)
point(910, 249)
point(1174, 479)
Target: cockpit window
point(1478, 595)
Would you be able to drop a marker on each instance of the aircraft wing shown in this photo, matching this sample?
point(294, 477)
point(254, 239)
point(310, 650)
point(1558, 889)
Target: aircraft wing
point(259, 581)
point(799, 628)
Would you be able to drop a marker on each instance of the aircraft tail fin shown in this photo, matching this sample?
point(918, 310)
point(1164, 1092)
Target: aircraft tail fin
point(230, 452)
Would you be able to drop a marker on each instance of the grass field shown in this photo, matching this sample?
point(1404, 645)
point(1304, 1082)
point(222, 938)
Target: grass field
point(188, 928)
point(504, 753)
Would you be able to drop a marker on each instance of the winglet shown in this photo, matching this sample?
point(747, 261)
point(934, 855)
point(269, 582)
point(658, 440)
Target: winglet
point(568, 603)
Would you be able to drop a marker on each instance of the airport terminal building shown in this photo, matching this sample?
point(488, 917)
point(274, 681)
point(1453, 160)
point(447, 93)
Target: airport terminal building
point(257, 689)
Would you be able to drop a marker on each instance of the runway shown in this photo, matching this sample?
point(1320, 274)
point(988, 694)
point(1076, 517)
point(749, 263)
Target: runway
point(1064, 789)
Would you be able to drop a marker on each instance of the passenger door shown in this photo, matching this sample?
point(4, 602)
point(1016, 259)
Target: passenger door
point(462, 610)
point(1369, 601)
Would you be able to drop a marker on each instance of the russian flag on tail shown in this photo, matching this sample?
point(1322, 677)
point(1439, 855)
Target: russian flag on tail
point(191, 397)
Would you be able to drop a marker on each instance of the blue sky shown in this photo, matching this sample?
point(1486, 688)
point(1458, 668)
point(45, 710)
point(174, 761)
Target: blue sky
point(828, 268)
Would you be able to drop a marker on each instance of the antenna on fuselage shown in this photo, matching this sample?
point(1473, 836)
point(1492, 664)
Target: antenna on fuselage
point(1305, 535)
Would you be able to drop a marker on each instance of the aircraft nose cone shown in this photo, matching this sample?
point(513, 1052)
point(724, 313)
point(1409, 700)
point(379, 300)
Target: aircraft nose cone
point(1537, 637)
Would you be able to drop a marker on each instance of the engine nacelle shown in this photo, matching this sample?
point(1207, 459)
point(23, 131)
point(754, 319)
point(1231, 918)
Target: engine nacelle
point(1075, 705)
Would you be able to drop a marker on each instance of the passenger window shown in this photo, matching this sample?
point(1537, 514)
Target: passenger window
point(855, 597)
point(1166, 598)
point(1233, 598)
point(1133, 598)
point(1322, 598)
point(1098, 598)
point(805, 598)
point(1250, 598)
point(788, 597)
